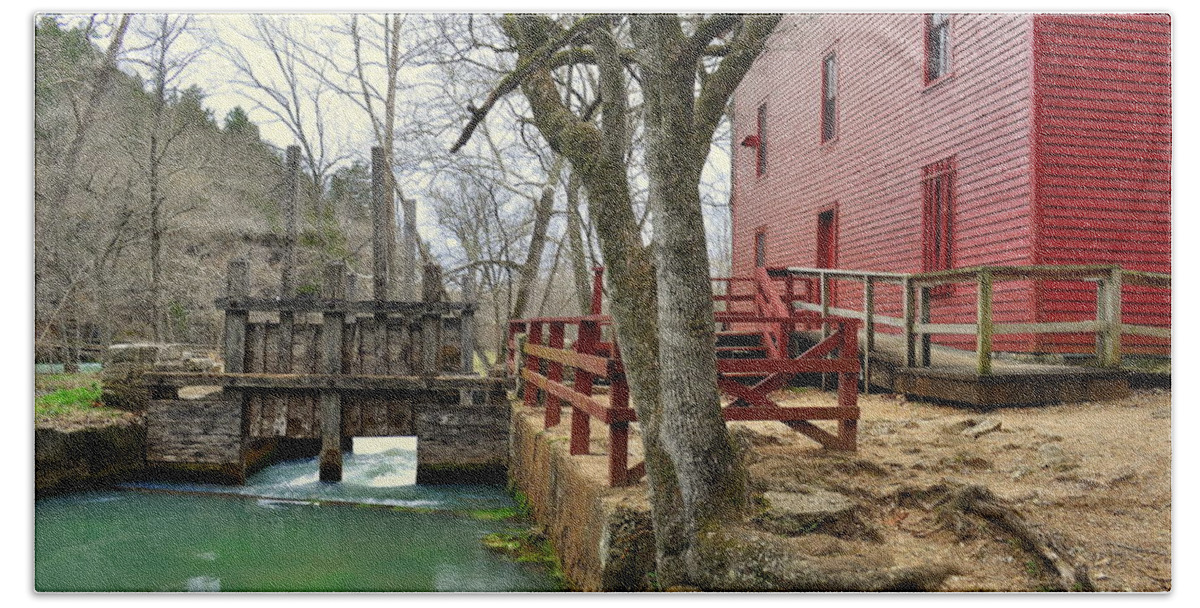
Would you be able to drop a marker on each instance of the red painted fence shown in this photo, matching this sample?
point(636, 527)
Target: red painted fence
point(547, 360)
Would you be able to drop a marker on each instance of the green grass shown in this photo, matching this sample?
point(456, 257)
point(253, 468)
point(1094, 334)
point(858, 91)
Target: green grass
point(67, 401)
point(53, 382)
point(69, 398)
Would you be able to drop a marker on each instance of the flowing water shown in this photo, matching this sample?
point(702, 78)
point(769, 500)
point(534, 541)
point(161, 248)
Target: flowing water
point(283, 531)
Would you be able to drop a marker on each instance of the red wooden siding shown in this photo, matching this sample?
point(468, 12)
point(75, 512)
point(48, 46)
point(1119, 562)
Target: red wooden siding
point(889, 126)
point(1102, 158)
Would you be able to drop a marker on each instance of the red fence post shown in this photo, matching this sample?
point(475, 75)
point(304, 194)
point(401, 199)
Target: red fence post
point(848, 384)
point(533, 363)
point(581, 431)
point(553, 410)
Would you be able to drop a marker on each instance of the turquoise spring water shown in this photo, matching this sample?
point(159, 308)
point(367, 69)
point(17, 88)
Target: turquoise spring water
point(283, 531)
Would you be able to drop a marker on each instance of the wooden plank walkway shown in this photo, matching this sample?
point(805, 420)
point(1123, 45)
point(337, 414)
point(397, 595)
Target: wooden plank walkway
point(952, 377)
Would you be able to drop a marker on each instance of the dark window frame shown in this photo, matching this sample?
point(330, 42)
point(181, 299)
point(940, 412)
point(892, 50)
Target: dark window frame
point(938, 63)
point(829, 82)
point(760, 248)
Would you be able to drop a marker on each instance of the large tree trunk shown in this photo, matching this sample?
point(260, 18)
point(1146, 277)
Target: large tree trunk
point(711, 478)
point(695, 479)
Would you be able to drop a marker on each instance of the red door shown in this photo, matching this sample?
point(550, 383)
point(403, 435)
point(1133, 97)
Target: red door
point(826, 240)
point(827, 247)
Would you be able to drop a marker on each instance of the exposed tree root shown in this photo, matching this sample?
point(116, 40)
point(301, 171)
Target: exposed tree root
point(979, 501)
point(743, 559)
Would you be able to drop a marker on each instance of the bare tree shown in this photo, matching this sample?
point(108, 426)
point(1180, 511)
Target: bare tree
point(161, 58)
point(272, 70)
point(695, 478)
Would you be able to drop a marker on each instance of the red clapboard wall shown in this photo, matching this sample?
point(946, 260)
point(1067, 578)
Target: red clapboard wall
point(889, 125)
point(1102, 161)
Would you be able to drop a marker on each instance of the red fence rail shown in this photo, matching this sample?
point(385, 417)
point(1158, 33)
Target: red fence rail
point(546, 360)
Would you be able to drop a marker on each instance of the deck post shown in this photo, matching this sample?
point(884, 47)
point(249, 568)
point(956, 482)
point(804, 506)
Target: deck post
point(334, 291)
point(1108, 319)
point(910, 342)
point(847, 387)
point(926, 316)
point(983, 323)
point(431, 321)
point(869, 327)
point(824, 322)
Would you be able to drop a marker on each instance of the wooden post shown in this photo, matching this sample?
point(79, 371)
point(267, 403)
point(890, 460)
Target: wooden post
point(824, 323)
point(237, 286)
point(532, 363)
point(291, 180)
point(552, 413)
point(431, 321)
point(331, 402)
point(466, 335)
point(983, 323)
point(926, 316)
point(910, 338)
point(869, 327)
point(381, 206)
point(581, 432)
point(1108, 319)
point(848, 387)
point(287, 287)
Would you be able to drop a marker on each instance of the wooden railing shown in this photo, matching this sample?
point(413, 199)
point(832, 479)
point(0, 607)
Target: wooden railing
point(546, 361)
point(916, 304)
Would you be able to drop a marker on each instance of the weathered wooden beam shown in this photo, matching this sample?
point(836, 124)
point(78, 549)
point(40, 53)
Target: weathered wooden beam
point(466, 334)
point(592, 364)
point(287, 204)
point(983, 317)
point(317, 381)
point(590, 405)
point(1108, 317)
point(381, 214)
point(431, 324)
point(318, 305)
point(1146, 330)
point(910, 321)
point(237, 285)
point(334, 288)
point(869, 326)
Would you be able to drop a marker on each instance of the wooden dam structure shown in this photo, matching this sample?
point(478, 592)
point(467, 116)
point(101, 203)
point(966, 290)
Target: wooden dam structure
point(331, 367)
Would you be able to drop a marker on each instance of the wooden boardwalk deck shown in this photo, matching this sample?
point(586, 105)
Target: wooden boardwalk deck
point(952, 377)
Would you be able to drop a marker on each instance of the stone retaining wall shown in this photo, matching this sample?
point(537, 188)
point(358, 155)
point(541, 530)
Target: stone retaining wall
point(602, 535)
point(89, 457)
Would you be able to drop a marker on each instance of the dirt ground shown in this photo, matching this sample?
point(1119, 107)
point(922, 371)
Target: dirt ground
point(1096, 477)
